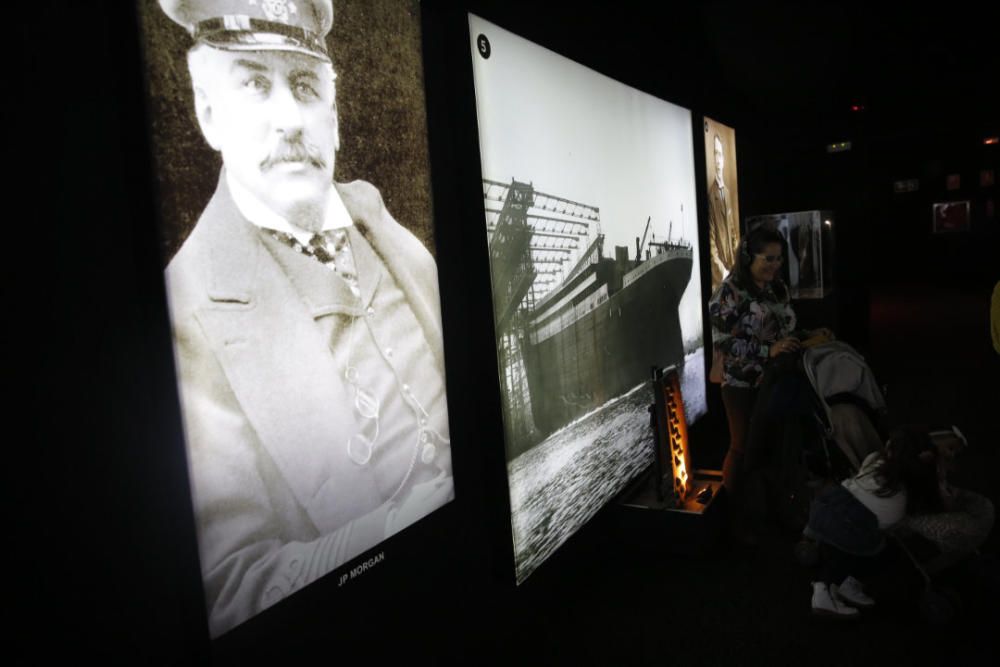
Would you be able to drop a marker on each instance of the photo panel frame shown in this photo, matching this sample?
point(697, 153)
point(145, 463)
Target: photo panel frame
point(591, 219)
point(317, 437)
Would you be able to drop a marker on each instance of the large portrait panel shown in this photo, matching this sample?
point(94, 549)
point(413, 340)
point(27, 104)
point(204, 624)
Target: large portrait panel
point(723, 199)
point(290, 148)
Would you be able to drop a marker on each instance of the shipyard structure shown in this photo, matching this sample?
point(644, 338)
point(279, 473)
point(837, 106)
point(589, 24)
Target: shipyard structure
point(575, 328)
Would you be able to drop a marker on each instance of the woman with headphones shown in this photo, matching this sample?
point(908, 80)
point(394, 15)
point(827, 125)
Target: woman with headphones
point(753, 325)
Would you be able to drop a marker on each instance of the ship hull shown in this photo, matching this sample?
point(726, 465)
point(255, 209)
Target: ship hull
point(597, 347)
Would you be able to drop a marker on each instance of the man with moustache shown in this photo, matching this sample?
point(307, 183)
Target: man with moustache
point(723, 228)
point(306, 323)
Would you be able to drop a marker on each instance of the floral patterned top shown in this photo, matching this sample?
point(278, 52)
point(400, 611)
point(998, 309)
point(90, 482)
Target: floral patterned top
point(744, 327)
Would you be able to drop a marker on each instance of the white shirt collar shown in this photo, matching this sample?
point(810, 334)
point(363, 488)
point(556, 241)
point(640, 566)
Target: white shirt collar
point(254, 210)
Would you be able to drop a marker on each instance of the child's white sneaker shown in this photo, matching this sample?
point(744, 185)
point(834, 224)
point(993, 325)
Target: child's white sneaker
point(825, 604)
point(850, 591)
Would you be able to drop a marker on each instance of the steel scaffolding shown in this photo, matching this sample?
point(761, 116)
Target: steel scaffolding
point(533, 238)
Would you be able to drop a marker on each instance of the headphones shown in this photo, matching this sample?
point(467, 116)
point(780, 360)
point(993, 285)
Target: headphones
point(753, 237)
point(745, 249)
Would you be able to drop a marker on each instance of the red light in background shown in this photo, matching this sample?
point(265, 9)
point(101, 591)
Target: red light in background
point(989, 141)
point(857, 107)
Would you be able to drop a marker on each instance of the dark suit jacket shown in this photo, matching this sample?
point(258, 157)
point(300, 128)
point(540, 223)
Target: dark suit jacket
point(723, 233)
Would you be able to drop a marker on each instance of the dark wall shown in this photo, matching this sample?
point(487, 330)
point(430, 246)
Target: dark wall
point(104, 558)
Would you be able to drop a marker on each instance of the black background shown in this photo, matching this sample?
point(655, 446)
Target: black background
point(105, 561)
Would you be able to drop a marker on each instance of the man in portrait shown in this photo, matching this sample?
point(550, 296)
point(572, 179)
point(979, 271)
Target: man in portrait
point(723, 229)
point(306, 323)
point(804, 236)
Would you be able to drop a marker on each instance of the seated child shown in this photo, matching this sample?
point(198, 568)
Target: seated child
point(849, 520)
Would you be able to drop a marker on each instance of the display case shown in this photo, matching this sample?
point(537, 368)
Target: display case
point(809, 248)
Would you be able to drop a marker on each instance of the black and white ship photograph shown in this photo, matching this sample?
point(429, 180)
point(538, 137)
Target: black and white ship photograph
point(591, 218)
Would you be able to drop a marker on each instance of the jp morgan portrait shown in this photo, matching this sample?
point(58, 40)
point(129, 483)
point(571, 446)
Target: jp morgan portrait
point(304, 308)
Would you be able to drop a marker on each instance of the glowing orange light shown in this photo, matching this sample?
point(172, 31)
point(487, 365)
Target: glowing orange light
point(991, 140)
point(680, 456)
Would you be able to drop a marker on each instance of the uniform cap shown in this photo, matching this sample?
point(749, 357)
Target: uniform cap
point(256, 25)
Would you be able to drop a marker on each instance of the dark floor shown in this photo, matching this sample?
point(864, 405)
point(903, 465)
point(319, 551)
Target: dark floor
point(615, 596)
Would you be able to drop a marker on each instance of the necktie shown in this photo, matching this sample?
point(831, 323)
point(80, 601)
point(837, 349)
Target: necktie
point(331, 247)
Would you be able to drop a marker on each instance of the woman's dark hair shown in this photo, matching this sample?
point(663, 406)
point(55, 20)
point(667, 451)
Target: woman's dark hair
point(910, 462)
point(752, 244)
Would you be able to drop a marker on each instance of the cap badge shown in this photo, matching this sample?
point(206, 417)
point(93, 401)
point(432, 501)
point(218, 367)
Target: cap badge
point(277, 10)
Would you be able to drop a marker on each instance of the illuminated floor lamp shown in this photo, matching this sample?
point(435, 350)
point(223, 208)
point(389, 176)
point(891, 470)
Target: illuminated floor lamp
point(677, 512)
point(677, 436)
point(693, 490)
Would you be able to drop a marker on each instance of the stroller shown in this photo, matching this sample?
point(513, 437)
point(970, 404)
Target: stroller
point(837, 419)
point(850, 408)
point(850, 417)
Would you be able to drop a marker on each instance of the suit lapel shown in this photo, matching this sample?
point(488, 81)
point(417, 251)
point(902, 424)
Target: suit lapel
point(403, 255)
point(279, 368)
point(320, 289)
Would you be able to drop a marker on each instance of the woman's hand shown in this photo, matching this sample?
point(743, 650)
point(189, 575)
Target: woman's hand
point(822, 331)
point(789, 344)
